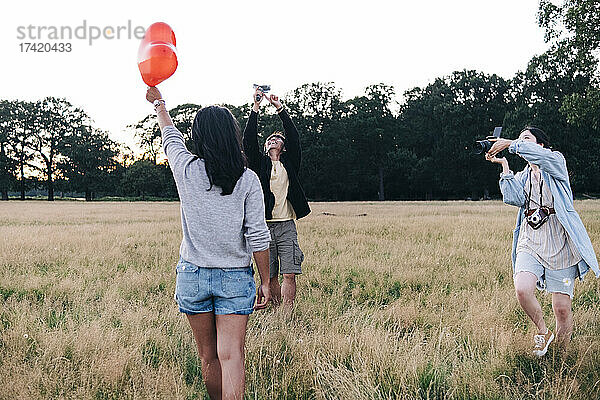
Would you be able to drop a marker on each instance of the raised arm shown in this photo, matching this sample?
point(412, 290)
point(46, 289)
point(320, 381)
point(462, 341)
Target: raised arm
point(172, 140)
point(511, 186)
point(292, 138)
point(552, 162)
point(250, 137)
point(164, 119)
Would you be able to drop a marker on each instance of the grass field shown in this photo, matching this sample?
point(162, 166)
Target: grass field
point(410, 301)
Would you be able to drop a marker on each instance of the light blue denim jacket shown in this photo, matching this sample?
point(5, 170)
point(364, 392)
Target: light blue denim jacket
point(554, 172)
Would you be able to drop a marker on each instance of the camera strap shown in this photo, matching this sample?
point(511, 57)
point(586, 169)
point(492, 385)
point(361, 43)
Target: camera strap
point(541, 204)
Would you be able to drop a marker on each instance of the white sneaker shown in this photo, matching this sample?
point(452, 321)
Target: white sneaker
point(541, 343)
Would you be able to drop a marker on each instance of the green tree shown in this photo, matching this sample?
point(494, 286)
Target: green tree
point(88, 157)
point(56, 120)
point(574, 24)
point(559, 89)
point(148, 132)
point(371, 124)
point(8, 164)
point(20, 129)
point(183, 118)
point(439, 122)
point(143, 178)
point(148, 135)
point(316, 110)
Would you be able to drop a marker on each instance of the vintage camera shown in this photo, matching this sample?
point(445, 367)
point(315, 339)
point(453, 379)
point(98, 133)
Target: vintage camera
point(483, 146)
point(538, 217)
point(262, 88)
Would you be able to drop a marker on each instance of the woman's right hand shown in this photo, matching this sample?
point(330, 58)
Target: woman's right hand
point(258, 94)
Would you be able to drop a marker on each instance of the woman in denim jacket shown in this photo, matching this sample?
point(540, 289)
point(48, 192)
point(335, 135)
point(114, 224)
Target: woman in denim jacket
point(551, 247)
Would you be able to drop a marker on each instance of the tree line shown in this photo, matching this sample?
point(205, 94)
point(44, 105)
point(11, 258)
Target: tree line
point(370, 147)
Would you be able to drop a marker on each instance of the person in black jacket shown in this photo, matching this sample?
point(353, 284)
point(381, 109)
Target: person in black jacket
point(277, 165)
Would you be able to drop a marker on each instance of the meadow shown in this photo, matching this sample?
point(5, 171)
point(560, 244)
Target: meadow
point(398, 300)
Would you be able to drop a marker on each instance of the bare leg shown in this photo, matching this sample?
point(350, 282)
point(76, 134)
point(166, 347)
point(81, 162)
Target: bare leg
point(288, 290)
point(525, 290)
point(561, 304)
point(274, 270)
point(205, 333)
point(275, 290)
point(231, 336)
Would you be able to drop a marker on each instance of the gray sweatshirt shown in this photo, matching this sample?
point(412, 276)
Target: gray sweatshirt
point(218, 231)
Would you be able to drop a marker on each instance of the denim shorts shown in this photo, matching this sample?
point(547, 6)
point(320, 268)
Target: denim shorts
point(218, 290)
point(552, 281)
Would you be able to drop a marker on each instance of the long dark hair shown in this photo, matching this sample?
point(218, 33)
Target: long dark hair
point(218, 140)
point(540, 135)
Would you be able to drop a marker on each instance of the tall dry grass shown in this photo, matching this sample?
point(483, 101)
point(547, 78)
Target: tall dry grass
point(410, 301)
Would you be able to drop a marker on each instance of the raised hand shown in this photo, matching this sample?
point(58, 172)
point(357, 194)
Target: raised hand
point(495, 159)
point(257, 98)
point(273, 99)
point(153, 94)
point(502, 161)
point(499, 145)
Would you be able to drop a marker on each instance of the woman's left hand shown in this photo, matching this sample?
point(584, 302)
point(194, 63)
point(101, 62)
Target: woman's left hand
point(499, 145)
point(495, 159)
point(153, 94)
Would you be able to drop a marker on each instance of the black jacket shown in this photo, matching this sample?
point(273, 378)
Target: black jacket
point(260, 163)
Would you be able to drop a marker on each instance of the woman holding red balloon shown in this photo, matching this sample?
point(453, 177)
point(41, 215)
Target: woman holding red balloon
point(222, 217)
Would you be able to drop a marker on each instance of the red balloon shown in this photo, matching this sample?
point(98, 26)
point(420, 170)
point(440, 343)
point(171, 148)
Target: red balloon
point(157, 55)
point(161, 32)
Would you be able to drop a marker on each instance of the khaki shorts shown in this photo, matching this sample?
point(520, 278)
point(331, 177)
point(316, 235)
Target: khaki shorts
point(286, 256)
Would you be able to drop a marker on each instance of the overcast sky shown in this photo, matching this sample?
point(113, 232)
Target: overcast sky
point(226, 46)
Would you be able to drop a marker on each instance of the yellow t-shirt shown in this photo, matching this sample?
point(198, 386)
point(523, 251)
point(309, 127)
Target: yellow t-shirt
point(283, 210)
